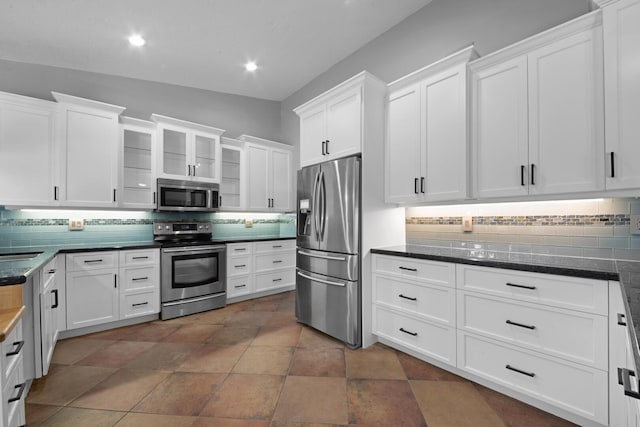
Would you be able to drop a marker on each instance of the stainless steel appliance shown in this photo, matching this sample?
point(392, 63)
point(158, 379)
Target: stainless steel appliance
point(176, 195)
point(328, 294)
point(192, 269)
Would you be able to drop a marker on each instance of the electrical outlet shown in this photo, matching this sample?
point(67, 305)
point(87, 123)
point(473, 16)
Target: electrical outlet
point(76, 224)
point(467, 223)
point(248, 223)
point(634, 225)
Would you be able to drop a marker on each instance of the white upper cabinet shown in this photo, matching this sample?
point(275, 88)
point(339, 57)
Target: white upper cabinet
point(537, 116)
point(138, 164)
point(188, 151)
point(621, 23)
point(426, 142)
point(233, 175)
point(89, 141)
point(331, 124)
point(27, 137)
point(269, 175)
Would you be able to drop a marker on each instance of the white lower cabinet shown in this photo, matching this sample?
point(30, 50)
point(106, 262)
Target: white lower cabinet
point(104, 287)
point(254, 268)
point(12, 381)
point(545, 337)
point(52, 308)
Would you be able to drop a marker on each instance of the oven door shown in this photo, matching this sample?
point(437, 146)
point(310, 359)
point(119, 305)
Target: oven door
point(194, 271)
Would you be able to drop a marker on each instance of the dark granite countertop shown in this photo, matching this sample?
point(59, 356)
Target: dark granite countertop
point(626, 272)
point(16, 272)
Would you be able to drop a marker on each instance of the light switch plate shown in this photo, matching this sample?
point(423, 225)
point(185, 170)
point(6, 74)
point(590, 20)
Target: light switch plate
point(634, 224)
point(248, 223)
point(467, 223)
point(76, 224)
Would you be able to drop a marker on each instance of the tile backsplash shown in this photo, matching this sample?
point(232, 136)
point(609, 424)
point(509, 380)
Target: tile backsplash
point(29, 228)
point(591, 228)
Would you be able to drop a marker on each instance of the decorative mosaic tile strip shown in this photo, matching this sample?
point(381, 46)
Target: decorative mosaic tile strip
point(535, 220)
point(32, 222)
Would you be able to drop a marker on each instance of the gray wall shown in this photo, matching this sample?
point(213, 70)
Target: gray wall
point(236, 114)
point(438, 29)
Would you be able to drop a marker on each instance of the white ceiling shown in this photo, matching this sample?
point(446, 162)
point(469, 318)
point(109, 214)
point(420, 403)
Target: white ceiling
point(198, 43)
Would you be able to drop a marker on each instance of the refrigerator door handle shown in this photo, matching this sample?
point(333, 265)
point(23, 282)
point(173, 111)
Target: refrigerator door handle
point(326, 282)
point(314, 197)
point(323, 196)
point(332, 258)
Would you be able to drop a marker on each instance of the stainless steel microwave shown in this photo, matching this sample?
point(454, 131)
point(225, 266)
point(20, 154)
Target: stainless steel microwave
point(187, 196)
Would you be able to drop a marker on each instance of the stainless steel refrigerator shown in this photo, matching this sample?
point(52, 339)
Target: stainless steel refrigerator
point(328, 294)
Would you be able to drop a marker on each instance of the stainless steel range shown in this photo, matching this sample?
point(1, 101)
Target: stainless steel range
point(193, 269)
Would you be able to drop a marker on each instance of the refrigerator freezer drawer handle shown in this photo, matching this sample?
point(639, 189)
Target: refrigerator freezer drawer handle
point(332, 258)
point(326, 282)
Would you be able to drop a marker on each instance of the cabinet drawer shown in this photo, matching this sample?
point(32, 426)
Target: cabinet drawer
point(234, 249)
point(12, 349)
point(239, 265)
point(575, 388)
point(275, 279)
point(92, 261)
point(139, 257)
point(139, 304)
point(435, 303)
point(428, 338)
point(275, 245)
point(587, 295)
point(437, 273)
point(13, 412)
point(572, 335)
point(237, 286)
point(274, 261)
point(138, 278)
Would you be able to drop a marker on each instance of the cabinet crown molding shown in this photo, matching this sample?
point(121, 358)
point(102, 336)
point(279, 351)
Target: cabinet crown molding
point(363, 77)
point(63, 99)
point(256, 140)
point(462, 56)
point(603, 3)
point(132, 121)
point(582, 23)
point(158, 118)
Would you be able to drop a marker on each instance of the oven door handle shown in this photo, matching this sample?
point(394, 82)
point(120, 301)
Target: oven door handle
point(208, 249)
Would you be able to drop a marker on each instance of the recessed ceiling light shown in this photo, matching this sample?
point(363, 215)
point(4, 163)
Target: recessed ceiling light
point(250, 66)
point(137, 40)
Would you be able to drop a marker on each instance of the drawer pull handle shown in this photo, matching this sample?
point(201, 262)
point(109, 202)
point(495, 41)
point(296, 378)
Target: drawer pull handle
point(89, 261)
point(15, 352)
point(409, 298)
point(140, 278)
point(514, 285)
point(277, 261)
point(240, 286)
point(19, 395)
point(413, 334)
point(520, 371)
point(625, 381)
point(532, 327)
point(240, 249)
point(276, 280)
point(140, 257)
point(52, 271)
point(240, 265)
point(621, 320)
point(276, 246)
point(139, 304)
point(407, 268)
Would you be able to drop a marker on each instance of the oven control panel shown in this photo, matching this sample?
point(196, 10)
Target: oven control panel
point(178, 228)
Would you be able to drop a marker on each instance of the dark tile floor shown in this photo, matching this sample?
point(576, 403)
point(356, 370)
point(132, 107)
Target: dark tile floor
point(251, 365)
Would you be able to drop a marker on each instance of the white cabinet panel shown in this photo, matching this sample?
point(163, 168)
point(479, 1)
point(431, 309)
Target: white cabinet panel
point(137, 164)
point(426, 143)
point(27, 151)
point(92, 297)
point(621, 23)
point(344, 125)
